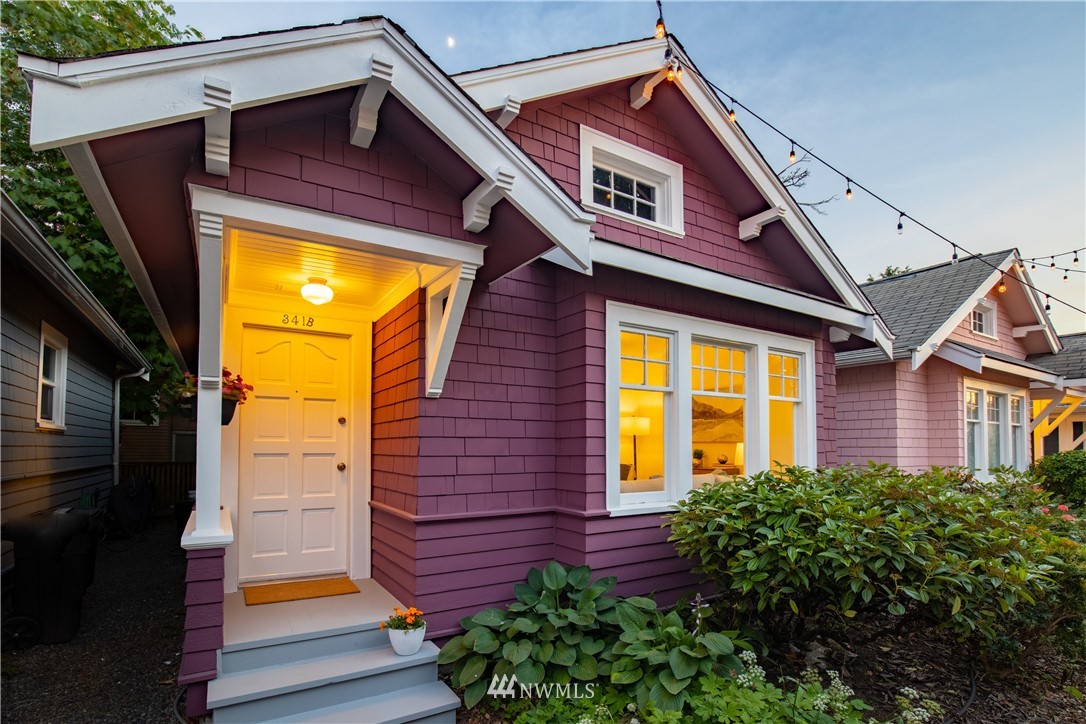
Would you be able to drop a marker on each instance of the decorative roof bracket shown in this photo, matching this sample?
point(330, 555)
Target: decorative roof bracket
point(218, 94)
point(368, 102)
point(478, 203)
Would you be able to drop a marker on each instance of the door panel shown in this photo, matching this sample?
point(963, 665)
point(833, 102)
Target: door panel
point(293, 501)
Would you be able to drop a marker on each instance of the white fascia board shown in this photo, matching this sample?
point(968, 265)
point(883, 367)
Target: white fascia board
point(624, 257)
point(967, 358)
point(169, 85)
point(932, 343)
point(1036, 306)
point(545, 77)
point(1048, 378)
point(88, 174)
point(297, 222)
point(35, 250)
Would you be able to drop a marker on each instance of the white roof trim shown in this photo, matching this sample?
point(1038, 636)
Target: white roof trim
point(977, 362)
point(624, 257)
point(545, 77)
point(169, 85)
point(1008, 265)
point(28, 243)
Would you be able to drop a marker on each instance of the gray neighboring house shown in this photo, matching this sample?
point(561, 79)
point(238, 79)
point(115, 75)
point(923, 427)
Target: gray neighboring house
point(1067, 420)
point(63, 359)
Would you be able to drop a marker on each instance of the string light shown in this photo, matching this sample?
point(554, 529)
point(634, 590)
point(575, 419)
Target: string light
point(901, 214)
point(1075, 260)
point(1002, 283)
point(1065, 277)
point(792, 153)
point(1048, 303)
point(848, 189)
point(1053, 264)
point(1033, 267)
point(661, 30)
point(954, 258)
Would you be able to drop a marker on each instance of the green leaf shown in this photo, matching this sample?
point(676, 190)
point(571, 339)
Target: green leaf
point(530, 672)
point(489, 617)
point(454, 650)
point(664, 700)
point(526, 594)
point(579, 577)
point(472, 670)
point(671, 683)
point(535, 579)
point(718, 643)
point(683, 665)
point(792, 605)
point(564, 654)
point(626, 676)
point(485, 642)
point(584, 668)
point(554, 576)
point(516, 652)
point(956, 605)
point(474, 693)
point(526, 625)
point(591, 646)
point(630, 618)
point(896, 608)
point(641, 602)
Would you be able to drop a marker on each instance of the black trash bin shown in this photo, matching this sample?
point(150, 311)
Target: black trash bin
point(54, 565)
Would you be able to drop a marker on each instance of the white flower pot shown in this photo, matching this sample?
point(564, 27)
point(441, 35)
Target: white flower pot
point(407, 642)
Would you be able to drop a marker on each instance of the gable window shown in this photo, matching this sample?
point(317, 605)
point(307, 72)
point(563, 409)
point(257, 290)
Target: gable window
point(994, 427)
point(622, 180)
point(982, 319)
point(676, 384)
point(52, 376)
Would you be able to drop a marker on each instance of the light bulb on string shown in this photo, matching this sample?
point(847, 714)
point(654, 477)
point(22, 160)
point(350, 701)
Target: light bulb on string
point(901, 226)
point(1033, 266)
point(792, 153)
point(679, 72)
point(848, 189)
point(1048, 304)
point(731, 113)
point(1052, 265)
point(661, 30)
point(671, 74)
point(1075, 260)
point(1002, 283)
point(954, 257)
point(1065, 276)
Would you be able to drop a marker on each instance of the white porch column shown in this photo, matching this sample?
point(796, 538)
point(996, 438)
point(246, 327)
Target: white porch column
point(210, 525)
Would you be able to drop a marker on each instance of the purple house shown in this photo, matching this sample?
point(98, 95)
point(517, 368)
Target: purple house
point(490, 320)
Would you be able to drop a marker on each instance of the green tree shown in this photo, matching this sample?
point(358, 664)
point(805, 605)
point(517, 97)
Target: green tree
point(889, 271)
point(42, 184)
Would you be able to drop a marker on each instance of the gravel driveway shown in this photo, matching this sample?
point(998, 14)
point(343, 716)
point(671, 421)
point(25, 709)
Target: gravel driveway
point(122, 664)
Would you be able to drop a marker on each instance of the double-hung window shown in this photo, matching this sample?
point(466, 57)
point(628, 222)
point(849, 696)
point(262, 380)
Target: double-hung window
point(982, 320)
point(52, 377)
point(676, 384)
point(623, 181)
point(995, 433)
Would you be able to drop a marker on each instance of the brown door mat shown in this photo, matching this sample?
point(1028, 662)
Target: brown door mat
point(298, 590)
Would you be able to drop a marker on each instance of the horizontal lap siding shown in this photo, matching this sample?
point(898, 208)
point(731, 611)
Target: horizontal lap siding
point(550, 132)
point(203, 625)
point(44, 470)
point(867, 414)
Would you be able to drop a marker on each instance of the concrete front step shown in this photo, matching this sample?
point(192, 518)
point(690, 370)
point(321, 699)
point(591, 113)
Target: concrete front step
point(432, 703)
point(301, 688)
point(236, 658)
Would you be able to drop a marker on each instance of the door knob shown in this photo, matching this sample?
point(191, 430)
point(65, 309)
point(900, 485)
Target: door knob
point(343, 421)
point(341, 467)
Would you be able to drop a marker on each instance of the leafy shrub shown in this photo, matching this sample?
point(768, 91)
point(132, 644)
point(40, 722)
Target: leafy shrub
point(553, 632)
point(658, 658)
point(563, 628)
point(825, 546)
point(1064, 474)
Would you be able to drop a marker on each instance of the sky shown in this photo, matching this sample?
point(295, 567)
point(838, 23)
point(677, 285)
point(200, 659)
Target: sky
point(968, 116)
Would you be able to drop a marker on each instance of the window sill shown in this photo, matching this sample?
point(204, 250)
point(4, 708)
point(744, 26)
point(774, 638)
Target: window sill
point(648, 509)
point(986, 336)
point(635, 220)
point(49, 427)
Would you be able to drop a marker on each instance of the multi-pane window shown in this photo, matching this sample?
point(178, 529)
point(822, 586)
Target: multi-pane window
point(995, 432)
point(623, 193)
point(678, 384)
point(718, 382)
point(645, 390)
point(784, 399)
point(982, 319)
point(972, 428)
point(52, 373)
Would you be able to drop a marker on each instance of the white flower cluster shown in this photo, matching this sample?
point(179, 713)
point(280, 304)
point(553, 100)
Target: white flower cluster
point(754, 675)
point(915, 709)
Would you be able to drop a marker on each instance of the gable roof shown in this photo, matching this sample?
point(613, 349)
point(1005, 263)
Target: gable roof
point(1070, 362)
point(554, 75)
point(24, 238)
point(924, 305)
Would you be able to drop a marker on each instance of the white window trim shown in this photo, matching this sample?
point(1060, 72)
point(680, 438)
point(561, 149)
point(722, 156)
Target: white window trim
point(600, 149)
point(57, 341)
point(987, 388)
point(677, 473)
point(988, 310)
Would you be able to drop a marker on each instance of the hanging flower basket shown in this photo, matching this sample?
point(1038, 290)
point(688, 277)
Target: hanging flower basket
point(234, 393)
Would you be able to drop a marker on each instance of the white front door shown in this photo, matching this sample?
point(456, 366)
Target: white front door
point(294, 470)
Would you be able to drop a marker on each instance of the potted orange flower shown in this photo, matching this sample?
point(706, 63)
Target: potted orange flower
point(406, 630)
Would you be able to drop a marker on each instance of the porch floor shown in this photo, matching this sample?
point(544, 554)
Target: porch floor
point(244, 626)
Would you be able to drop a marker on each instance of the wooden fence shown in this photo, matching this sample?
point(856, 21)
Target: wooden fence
point(171, 481)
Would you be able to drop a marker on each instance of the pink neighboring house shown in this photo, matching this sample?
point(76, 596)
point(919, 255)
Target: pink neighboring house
point(964, 388)
point(551, 283)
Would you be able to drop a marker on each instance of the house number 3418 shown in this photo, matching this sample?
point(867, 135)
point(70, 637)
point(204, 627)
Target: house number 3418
point(297, 320)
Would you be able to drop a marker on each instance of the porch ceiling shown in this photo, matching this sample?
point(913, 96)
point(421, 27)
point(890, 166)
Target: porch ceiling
point(277, 267)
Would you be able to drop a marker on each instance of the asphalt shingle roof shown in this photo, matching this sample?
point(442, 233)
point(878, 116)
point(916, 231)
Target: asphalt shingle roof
point(1069, 361)
point(914, 305)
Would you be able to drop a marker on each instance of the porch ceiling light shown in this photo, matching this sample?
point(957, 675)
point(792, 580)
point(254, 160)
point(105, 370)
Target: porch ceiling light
point(317, 291)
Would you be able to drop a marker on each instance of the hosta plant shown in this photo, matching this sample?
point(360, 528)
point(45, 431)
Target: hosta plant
point(554, 632)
